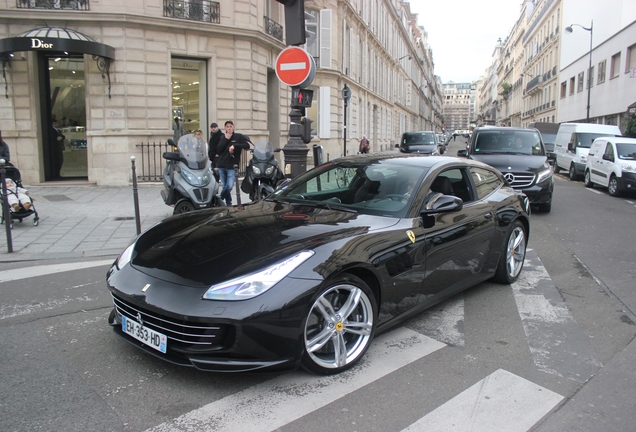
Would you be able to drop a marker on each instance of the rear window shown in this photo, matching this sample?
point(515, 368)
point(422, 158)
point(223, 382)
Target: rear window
point(508, 142)
point(418, 138)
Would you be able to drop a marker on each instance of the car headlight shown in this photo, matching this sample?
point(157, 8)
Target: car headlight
point(545, 174)
point(269, 170)
point(125, 256)
point(246, 287)
point(256, 170)
point(194, 180)
point(628, 168)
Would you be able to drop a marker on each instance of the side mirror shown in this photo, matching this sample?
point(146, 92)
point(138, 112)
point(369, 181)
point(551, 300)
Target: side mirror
point(571, 146)
point(462, 153)
point(439, 203)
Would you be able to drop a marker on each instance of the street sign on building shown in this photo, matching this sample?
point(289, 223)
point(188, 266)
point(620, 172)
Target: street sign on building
point(295, 67)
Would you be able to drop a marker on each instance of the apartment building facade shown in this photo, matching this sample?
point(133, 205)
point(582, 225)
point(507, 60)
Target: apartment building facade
point(116, 74)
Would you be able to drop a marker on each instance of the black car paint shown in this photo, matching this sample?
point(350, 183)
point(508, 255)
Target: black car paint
point(266, 331)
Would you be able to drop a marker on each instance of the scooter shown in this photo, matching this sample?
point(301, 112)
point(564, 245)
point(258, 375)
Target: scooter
point(188, 181)
point(263, 173)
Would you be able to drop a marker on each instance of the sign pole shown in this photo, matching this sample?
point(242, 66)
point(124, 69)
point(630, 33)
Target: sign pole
point(346, 95)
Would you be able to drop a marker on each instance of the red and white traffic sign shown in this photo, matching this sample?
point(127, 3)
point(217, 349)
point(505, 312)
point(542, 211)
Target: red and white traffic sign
point(295, 67)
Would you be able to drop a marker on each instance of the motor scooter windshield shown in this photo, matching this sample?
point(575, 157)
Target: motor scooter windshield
point(194, 151)
point(263, 150)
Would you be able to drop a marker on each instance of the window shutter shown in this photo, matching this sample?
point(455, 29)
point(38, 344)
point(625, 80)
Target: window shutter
point(325, 39)
point(324, 106)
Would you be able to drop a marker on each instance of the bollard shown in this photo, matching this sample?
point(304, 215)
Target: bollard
point(5, 207)
point(238, 190)
point(135, 195)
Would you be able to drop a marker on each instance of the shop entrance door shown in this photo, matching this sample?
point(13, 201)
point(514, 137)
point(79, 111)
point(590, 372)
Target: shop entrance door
point(65, 152)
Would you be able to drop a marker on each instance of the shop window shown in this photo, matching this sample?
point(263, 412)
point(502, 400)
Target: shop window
point(188, 82)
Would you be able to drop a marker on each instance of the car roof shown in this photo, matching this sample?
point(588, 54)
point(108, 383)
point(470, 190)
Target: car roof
point(618, 140)
point(504, 128)
point(412, 159)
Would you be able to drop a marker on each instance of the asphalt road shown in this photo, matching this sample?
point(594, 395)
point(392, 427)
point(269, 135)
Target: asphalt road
point(547, 353)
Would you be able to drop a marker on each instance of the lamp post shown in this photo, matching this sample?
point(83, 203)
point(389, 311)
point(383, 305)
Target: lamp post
point(589, 70)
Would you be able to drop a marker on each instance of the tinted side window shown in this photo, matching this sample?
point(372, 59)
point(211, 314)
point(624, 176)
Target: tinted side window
point(485, 181)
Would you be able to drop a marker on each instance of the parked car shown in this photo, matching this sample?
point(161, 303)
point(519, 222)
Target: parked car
point(611, 162)
point(520, 155)
point(573, 142)
point(309, 275)
point(422, 142)
point(548, 136)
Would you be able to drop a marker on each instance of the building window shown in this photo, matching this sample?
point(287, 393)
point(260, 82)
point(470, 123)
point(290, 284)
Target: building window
point(615, 67)
point(188, 93)
point(631, 58)
point(601, 72)
point(311, 27)
point(579, 83)
point(572, 85)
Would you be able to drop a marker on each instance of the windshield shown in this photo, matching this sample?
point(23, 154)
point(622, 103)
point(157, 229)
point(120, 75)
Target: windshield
point(626, 151)
point(263, 149)
point(585, 140)
point(379, 188)
point(509, 142)
point(194, 151)
point(419, 138)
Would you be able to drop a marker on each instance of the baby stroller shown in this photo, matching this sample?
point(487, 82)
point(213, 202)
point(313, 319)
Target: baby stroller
point(13, 173)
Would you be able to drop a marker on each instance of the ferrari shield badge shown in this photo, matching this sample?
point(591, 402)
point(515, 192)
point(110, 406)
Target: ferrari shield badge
point(411, 236)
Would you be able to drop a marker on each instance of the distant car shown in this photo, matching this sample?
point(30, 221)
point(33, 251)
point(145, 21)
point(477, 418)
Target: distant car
point(441, 143)
point(611, 162)
point(309, 275)
point(422, 142)
point(520, 156)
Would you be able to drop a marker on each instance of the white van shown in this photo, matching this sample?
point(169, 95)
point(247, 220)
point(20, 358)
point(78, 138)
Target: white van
point(611, 162)
point(573, 141)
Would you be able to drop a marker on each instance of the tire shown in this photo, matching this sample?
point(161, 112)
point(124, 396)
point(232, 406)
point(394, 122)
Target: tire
point(334, 343)
point(587, 181)
point(612, 187)
point(572, 173)
point(183, 207)
point(512, 255)
point(557, 168)
point(257, 194)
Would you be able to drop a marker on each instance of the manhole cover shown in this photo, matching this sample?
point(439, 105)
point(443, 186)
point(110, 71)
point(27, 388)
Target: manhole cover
point(57, 198)
point(121, 218)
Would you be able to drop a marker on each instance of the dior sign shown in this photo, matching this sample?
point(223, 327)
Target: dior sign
point(37, 43)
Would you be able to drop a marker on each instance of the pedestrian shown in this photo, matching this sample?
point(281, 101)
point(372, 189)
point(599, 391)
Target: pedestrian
point(17, 195)
point(454, 136)
point(228, 152)
point(4, 150)
point(56, 140)
point(215, 135)
point(364, 145)
point(177, 128)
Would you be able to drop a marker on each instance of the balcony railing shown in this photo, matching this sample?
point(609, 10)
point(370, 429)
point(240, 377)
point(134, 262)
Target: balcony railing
point(272, 28)
point(193, 10)
point(53, 4)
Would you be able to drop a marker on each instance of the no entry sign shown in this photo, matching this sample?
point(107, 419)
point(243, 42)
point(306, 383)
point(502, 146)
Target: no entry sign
point(295, 67)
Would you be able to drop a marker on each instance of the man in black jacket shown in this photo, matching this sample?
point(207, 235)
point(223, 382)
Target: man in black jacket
point(228, 154)
point(215, 135)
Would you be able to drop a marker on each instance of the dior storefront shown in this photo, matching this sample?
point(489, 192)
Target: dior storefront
point(78, 97)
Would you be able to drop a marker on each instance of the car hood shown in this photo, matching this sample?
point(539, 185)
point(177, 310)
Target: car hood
point(512, 162)
point(210, 246)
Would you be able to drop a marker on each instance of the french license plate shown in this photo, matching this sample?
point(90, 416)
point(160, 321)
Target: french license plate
point(143, 334)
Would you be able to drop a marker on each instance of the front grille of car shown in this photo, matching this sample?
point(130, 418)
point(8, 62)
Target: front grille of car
point(519, 180)
point(184, 336)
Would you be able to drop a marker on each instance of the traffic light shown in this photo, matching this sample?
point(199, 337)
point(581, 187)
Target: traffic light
point(294, 21)
point(306, 124)
point(301, 98)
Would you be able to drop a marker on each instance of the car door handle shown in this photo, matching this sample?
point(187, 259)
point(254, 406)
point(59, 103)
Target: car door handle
point(488, 216)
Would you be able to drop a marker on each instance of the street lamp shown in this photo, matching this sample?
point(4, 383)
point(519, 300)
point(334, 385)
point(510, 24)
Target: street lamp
point(589, 71)
point(404, 56)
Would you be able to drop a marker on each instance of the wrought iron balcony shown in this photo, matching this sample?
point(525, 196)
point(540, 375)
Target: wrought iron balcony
point(193, 10)
point(533, 83)
point(272, 28)
point(53, 4)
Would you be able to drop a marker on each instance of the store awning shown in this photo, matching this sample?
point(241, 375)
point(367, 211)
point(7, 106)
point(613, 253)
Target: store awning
point(57, 40)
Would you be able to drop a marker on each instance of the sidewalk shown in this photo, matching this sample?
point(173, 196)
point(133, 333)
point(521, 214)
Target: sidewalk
point(83, 221)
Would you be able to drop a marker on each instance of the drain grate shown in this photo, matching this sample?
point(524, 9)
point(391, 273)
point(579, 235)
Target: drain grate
point(122, 218)
point(57, 198)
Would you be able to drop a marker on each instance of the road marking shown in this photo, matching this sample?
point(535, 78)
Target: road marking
point(443, 322)
point(273, 404)
point(594, 191)
point(557, 343)
point(30, 272)
point(500, 402)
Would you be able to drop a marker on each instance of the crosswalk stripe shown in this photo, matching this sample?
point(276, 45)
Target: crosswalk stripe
point(275, 403)
point(557, 343)
point(30, 272)
point(500, 402)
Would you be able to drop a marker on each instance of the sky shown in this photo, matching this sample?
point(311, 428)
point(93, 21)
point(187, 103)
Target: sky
point(463, 33)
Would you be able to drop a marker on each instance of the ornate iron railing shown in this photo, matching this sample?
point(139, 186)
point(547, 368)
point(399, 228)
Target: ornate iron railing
point(194, 10)
point(272, 28)
point(53, 4)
